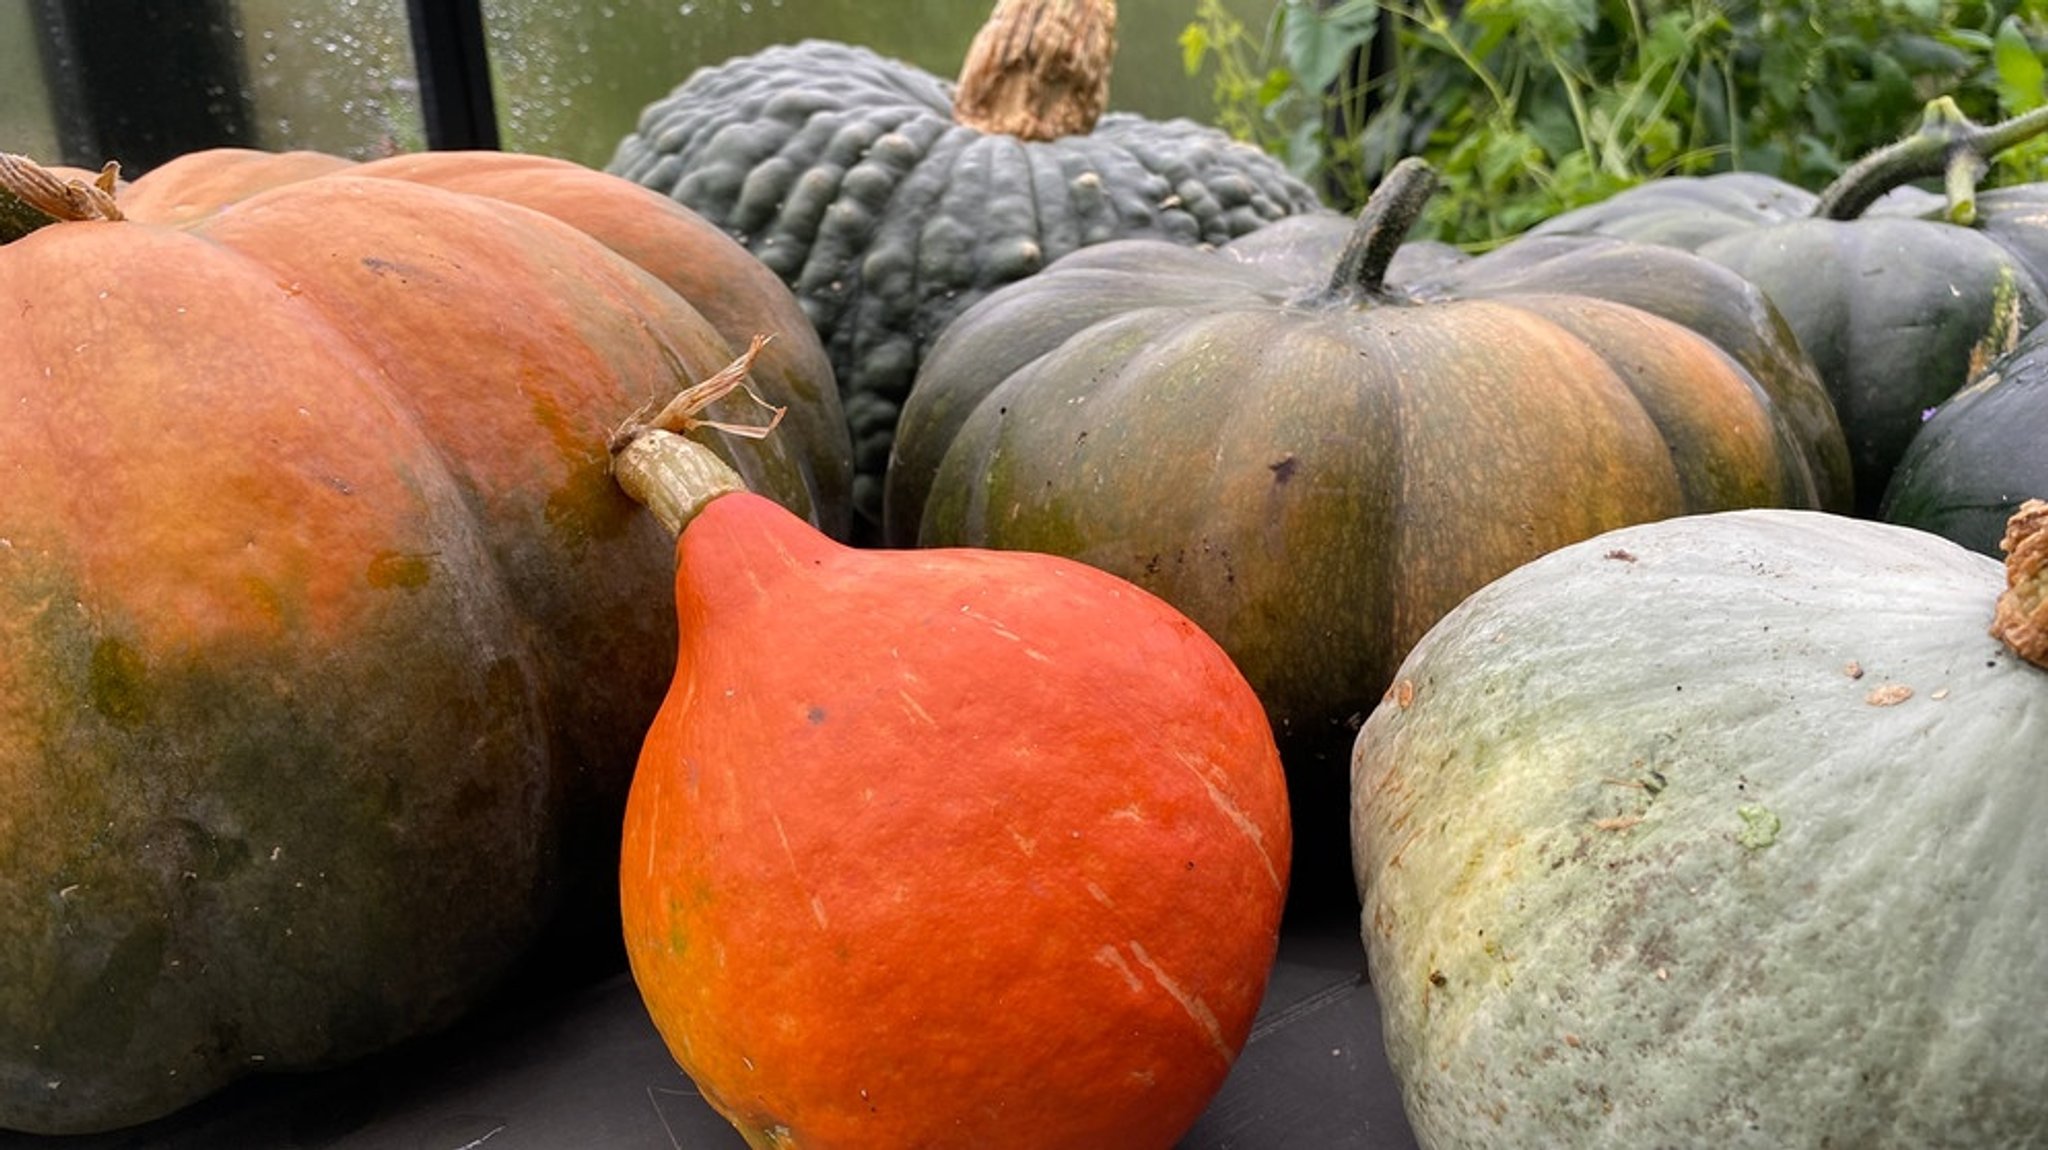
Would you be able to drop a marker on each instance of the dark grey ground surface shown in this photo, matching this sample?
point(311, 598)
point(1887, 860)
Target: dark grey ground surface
point(586, 1071)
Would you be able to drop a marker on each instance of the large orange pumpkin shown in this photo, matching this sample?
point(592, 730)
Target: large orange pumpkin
point(948, 847)
point(324, 639)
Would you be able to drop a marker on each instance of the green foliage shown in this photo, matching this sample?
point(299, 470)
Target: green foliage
point(1530, 107)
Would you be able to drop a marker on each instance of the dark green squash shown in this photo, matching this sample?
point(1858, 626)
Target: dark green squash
point(1898, 303)
point(889, 200)
point(1315, 465)
point(1981, 454)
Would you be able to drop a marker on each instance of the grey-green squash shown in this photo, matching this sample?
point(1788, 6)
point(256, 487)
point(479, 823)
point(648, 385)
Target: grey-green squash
point(1720, 831)
point(1980, 454)
point(890, 200)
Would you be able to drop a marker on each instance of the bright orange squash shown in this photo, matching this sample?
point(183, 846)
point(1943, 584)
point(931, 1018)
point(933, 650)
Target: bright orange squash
point(946, 848)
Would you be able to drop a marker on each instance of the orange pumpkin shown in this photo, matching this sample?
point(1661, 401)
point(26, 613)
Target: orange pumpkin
point(946, 848)
point(323, 649)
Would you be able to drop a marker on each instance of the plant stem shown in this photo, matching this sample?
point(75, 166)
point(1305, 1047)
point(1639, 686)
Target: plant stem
point(2022, 614)
point(1039, 69)
point(32, 197)
point(1948, 144)
point(1382, 225)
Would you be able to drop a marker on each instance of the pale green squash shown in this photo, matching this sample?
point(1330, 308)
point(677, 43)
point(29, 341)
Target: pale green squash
point(1723, 831)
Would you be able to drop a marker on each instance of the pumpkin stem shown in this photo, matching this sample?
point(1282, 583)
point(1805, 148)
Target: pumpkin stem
point(1383, 224)
point(33, 196)
point(673, 476)
point(1039, 69)
point(2022, 619)
point(1947, 144)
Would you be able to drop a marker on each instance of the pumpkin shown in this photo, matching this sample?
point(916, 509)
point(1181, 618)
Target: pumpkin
point(1314, 464)
point(890, 200)
point(1898, 311)
point(321, 668)
point(722, 280)
point(1980, 454)
point(941, 848)
point(1719, 831)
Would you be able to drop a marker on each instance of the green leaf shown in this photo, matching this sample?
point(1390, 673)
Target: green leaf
point(2020, 73)
point(1553, 23)
point(1194, 45)
point(1319, 42)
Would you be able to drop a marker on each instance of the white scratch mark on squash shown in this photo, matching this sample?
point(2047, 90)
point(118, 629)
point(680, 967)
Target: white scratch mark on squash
point(1193, 1004)
point(1237, 817)
point(1113, 958)
point(910, 704)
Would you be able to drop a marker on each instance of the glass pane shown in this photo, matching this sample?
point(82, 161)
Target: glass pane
point(572, 76)
point(333, 76)
point(26, 125)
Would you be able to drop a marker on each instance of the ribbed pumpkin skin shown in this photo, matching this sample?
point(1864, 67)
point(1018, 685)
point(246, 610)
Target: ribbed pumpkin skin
point(845, 172)
point(323, 623)
point(810, 456)
point(1898, 315)
point(1648, 860)
point(947, 848)
point(1897, 308)
point(1316, 482)
point(1981, 454)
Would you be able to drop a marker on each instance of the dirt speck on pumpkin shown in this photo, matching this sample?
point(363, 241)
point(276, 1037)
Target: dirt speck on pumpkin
point(1853, 669)
point(1402, 694)
point(1623, 555)
point(1888, 695)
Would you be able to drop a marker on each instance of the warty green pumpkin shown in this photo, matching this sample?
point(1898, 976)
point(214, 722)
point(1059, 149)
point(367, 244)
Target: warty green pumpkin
point(889, 200)
point(323, 649)
point(1720, 831)
point(1315, 463)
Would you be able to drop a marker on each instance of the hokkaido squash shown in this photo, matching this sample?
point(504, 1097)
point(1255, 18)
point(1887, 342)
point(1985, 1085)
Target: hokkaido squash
point(1314, 461)
point(941, 848)
point(1720, 831)
point(1979, 455)
point(321, 659)
point(1897, 310)
point(890, 200)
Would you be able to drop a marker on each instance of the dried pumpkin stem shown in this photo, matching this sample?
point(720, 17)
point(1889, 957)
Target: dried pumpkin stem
point(1383, 225)
point(674, 476)
point(1947, 144)
point(2022, 617)
point(33, 196)
point(1039, 69)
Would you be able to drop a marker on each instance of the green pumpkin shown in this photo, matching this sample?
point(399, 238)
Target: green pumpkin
point(1315, 466)
point(1897, 305)
point(1981, 454)
point(890, 200)
point(1718, 831)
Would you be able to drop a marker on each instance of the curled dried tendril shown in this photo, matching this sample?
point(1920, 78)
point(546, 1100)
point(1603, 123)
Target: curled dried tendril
point(2022, 620)
point(682, 414)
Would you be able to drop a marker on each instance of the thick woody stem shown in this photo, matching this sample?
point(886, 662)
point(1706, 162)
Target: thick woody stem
point(1039, 69)
point(1383, 225)
point(2022, 618)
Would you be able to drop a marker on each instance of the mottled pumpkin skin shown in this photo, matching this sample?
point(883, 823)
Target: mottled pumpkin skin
point(324, 625)
point(1655, 849)
point(1981, 454)
point(947, 848)
point(1317, 480)
point(845, 172)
